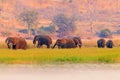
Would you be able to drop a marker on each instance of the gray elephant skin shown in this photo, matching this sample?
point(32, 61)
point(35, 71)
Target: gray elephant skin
point(42, 40)
point(109, 44)
point(77, 41)
point(101, 43)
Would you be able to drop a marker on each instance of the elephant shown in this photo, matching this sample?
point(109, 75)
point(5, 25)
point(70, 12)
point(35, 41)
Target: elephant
point(16, 43)
point(42, 40)
point(77, 41)
point(65, 43)
point(109, 44)
point(101, 43)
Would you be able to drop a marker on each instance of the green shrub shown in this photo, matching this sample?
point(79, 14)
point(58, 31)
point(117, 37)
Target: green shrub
point(46, 29)
point(105, 33)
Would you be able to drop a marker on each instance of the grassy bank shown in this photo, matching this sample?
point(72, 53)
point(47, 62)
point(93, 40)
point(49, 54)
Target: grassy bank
point(59, 56)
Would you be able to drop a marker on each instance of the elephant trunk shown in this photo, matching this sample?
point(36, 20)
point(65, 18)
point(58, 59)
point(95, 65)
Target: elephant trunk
point(10, 45)
point(6, 40)
point(34, 42)
point(54, 46)
point(79, 44)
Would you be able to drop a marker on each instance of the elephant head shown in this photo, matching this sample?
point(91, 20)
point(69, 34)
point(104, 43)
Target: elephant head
point(10, 42)
point(77, 41)
point(36, 38)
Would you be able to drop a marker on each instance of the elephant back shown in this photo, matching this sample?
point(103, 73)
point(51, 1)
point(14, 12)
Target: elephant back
point(45, 38)
point(42, 38)
point(70, 43)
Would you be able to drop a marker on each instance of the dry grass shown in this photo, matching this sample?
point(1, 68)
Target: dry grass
point(89, 53)
point(86, 43)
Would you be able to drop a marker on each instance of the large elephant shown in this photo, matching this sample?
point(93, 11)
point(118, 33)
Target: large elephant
point(77, 41)
point(65, 43)
point(109, 44)
point(101, 43)
point(42, 40)
point(16, 43)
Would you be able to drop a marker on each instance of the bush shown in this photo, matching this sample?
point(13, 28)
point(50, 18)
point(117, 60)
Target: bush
point(46, 29)
point(25, 31)
point(65, 25)
point(118, 32)
point(105, 33)
point(5, 33)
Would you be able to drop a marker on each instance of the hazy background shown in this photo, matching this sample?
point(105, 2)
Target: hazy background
point(89, 17)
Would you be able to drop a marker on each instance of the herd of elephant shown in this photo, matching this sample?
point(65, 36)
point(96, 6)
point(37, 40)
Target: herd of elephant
point(20, 43)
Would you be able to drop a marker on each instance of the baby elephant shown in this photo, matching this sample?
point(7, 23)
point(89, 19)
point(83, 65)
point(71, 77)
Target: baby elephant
point(109, 44)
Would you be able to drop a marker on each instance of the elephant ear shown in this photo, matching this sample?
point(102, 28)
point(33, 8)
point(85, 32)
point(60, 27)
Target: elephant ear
point(7, 39)
point(35, 39)
point(13, 40)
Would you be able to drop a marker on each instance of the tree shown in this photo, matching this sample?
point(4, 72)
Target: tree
point(105, 33)
point(47, 29)
point(30, 18)
point(70, 1)
point(65, 25)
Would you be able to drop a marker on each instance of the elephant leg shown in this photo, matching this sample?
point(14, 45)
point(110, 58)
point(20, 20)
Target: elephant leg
point(16, 46)
point(103, 46)
point(54, 46)
point(48, 45)
point(39, 45)
point(99, 45)
point(59, 47)
point(9, 46)
point(110, 45)
point(13, 46)
point(79, 46)
point(63, 46)
point(51, 46)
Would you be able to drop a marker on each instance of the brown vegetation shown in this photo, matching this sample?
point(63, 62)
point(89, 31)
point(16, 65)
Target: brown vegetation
point(91, 15)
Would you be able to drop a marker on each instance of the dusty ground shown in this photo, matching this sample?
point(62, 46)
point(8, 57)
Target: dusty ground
point(61, 72)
